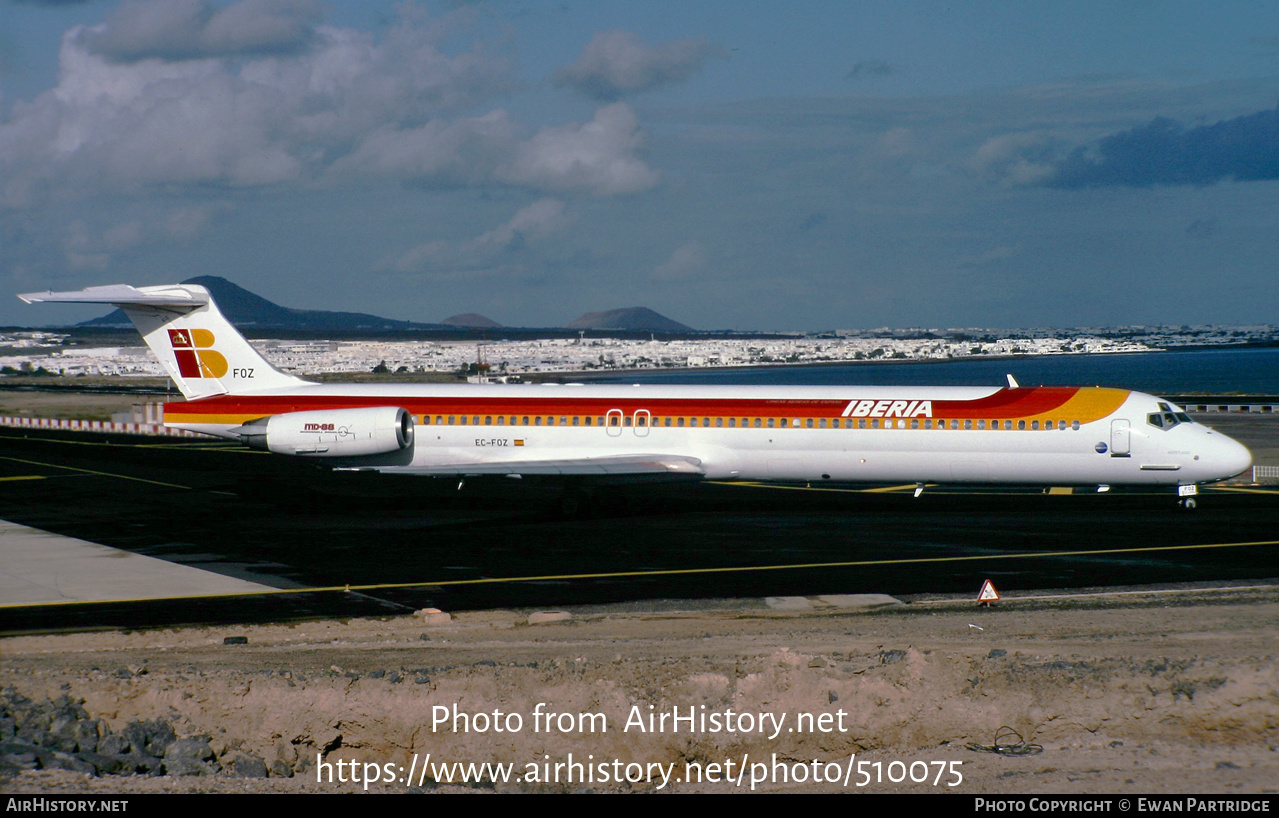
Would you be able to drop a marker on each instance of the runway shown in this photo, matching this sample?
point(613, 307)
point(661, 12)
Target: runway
point(367, 544)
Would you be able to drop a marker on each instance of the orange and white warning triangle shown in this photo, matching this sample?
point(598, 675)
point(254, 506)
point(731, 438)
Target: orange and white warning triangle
point(988, 592)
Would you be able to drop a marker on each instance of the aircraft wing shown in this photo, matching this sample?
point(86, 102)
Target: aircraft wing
point(622, 465)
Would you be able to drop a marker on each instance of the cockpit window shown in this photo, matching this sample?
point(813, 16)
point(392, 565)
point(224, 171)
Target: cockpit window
point(1167, 418)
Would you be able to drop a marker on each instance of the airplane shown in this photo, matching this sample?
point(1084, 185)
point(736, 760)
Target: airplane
point(1010, 435)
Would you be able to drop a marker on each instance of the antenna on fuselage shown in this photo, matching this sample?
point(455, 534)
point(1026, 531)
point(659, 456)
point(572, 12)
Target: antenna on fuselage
point(1012, 382)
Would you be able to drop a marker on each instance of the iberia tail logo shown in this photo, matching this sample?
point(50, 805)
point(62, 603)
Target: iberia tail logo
point(196, 359)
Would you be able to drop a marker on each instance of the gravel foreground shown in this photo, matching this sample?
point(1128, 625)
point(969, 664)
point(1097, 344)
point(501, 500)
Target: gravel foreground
point(1142, 691)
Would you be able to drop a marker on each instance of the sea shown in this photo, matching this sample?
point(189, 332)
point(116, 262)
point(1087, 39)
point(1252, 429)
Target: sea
point(1249, 371)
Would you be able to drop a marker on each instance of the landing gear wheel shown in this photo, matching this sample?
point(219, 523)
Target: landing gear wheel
point(1188, 503)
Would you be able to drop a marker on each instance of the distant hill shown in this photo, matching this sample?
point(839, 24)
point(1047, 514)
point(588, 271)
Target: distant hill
point(249, 310)
point(246, 309)
point(471, 320)
point(629, 318)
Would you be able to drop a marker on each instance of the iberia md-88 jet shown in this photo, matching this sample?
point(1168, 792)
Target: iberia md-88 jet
point(1047, 436)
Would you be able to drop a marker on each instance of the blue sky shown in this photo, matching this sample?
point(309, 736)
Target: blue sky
point(747, 165)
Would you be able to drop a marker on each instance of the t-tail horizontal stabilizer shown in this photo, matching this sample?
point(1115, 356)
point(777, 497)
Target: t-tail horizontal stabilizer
point(198, 348)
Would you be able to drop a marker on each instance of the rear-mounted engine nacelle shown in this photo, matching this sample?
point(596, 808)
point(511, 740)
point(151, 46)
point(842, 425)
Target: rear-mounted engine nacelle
point(332, 433)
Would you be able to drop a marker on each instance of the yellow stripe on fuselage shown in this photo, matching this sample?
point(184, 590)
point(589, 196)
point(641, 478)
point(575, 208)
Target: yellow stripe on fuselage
point(1089, 404)
point(175, 418)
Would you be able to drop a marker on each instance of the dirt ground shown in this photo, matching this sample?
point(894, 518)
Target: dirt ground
point(1142, 691)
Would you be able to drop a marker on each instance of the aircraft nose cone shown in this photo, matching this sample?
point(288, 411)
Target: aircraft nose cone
point(1230, 457)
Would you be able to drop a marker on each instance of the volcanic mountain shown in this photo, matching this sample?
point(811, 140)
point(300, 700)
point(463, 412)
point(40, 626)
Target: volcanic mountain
point(247, 309)
point(629, 318)
point(471, 320)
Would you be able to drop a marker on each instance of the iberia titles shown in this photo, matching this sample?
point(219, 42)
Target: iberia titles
point(888, 409)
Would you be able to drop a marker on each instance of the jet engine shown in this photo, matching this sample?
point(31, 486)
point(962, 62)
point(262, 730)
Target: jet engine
point(332, 433)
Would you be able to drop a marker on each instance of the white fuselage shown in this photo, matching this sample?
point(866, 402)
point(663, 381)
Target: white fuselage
point(852, 434)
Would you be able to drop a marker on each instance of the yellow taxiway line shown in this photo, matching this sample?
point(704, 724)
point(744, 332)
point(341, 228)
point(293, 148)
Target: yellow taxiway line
point(96, 473)
point(661, 572)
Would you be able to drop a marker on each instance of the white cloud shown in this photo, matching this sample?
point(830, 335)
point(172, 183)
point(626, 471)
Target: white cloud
point(89, 247)
point(347, 107)
point(196, 29)
point(597, 157)
point(537, 221)
point(112, 126)
point(615, 63)
point(1017, 159)
point(466, 150)
point(686, 261)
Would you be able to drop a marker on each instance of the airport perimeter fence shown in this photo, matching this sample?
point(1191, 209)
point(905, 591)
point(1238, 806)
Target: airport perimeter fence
point(107, 426)
point(1260, 473)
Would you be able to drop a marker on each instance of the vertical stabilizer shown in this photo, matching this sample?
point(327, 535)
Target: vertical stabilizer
point(198, 348)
